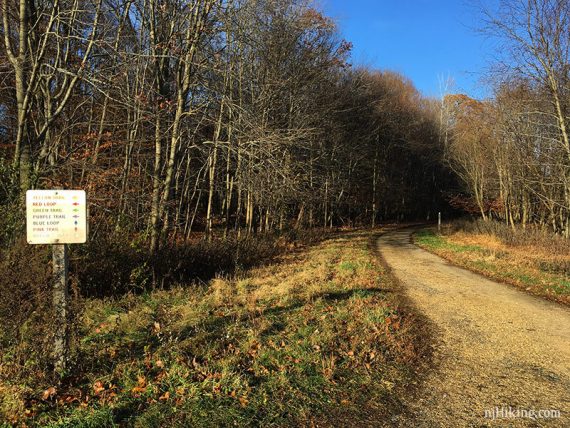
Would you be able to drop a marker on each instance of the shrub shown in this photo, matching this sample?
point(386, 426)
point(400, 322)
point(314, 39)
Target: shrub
point(26, 315)
point(11, 211)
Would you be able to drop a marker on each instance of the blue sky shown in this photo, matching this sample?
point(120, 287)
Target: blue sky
point(426, 40)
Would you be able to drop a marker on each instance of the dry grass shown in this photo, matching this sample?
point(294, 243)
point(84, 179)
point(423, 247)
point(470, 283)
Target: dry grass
point(521, 255)
point(488, 241)
point(317, 336)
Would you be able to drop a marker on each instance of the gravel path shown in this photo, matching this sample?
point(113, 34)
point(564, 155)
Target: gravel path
point(496, 346)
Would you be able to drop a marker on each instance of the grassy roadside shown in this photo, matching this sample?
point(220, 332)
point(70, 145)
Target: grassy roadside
point(533, 269)
point(318, 337)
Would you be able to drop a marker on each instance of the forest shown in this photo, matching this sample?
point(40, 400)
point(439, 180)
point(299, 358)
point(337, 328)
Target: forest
point(211, 135)
point(207, 116)
point(512, 151)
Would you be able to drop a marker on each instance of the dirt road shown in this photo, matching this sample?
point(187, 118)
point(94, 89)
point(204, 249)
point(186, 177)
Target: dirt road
point(496, 347)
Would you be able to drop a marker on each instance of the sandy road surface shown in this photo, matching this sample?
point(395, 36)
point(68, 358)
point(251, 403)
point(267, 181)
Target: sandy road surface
point(495, 345)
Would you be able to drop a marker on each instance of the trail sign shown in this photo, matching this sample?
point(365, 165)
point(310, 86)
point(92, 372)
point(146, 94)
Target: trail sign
point(56, 216)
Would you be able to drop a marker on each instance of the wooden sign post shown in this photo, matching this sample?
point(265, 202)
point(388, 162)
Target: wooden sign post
point(61, 306)
point(58, 218)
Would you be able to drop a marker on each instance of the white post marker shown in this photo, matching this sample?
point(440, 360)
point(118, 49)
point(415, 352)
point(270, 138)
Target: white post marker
point(57, 217)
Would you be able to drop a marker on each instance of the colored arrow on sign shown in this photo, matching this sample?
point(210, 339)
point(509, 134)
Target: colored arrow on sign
point(76, 203)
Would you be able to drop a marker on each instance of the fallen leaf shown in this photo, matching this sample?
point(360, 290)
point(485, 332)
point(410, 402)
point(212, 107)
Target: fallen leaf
point(141, 380)
point(98, 387)
point(49, 393)
point(138, 390)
